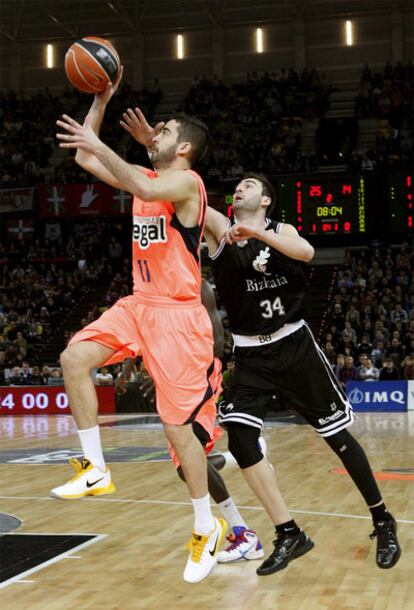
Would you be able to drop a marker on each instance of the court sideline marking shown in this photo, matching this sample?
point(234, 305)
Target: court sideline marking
point(171, 502)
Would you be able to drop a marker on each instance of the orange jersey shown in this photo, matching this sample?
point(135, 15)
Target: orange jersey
point(165, 254)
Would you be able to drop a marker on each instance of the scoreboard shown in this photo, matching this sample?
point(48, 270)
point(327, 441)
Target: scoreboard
point(330, 206)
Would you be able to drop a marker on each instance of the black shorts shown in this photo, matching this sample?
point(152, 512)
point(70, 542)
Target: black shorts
point(294, 367)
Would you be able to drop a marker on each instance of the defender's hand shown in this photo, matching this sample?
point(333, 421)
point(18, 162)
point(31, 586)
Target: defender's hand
point(239, 232)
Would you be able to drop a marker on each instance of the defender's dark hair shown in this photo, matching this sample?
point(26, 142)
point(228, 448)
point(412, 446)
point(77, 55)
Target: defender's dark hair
point(191, 129)
point(267, 188)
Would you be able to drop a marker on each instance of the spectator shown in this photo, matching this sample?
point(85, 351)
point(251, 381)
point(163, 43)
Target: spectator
point(348, 372)
point(389, 371)
point(408, 367)
point(36, 378)
point(15, 377)
point(55, 377)
point(104, 377)
point(367, 371)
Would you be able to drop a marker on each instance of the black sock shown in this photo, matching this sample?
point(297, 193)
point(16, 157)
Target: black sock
point(290, 527)
point(380, 513)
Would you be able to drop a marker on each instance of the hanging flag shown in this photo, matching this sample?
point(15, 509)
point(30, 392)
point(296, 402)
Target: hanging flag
point(123, 201)
point(55, 198)
point(20, 229)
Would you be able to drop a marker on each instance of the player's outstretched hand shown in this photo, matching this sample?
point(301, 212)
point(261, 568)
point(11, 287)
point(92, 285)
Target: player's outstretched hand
point(77, 136)
point(135, 123)
point(239, 232)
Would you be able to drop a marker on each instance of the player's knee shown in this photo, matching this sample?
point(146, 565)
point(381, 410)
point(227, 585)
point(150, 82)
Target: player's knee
point(243, 443)
point(343, 443)
point(74, 359)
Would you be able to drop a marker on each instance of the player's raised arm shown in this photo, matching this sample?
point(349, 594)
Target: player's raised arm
point(215, 228)
point(288, 242)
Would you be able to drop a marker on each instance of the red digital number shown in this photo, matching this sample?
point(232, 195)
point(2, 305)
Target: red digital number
point(229, 211)
point(346, 189)
point(313, 228)
point(326, 227)
point(409, 181)
point(328, 198)
point(347, 226)
point(315, 190)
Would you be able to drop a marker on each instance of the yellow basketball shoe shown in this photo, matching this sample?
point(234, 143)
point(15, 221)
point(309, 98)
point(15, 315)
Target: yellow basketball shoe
point(89, 480)
point(204, 552)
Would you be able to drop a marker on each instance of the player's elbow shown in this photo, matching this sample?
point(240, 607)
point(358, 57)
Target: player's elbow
point(144, 192)
point(308, 253)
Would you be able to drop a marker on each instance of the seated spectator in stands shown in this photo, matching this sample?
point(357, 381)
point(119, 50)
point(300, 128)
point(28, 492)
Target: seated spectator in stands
point(367, 371)
point(408, 367)
point(15, 377)
point(389, 371)
point(378, 353)
point(398, 314)
point(104, 377)
point(25, 373)
point(340, 362)
point(396, 351)
point(330, 353)
point(45, 373)
point(348, 372)
point(365, 346)
point(349, 332)
point(55, 377)
point(36, 378)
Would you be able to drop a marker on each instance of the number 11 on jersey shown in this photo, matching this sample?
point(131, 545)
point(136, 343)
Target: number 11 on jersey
point(144, 270)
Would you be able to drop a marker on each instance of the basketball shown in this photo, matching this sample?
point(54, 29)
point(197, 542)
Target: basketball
point(90, 63)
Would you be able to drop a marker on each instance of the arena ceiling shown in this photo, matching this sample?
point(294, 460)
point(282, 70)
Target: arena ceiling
point(25, 21)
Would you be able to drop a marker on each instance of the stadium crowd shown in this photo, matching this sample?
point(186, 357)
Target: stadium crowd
point(257, 123)
point(370, 328)
point(387, 96)
point(28, 127)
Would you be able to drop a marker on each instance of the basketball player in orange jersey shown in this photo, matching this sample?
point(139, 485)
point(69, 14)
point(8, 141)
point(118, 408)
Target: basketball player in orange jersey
point(163, 320)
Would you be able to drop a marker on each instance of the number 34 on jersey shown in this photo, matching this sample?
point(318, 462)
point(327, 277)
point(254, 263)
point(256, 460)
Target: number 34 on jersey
point(272, 308)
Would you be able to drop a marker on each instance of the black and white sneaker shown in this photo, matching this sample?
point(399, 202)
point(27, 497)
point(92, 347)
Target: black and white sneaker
point(388, 549)
point(287, 548)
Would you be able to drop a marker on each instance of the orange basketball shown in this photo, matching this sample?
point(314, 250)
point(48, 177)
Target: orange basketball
point(91, 63)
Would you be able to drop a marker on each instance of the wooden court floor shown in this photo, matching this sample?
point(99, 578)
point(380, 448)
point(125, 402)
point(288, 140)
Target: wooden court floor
point(137, 561)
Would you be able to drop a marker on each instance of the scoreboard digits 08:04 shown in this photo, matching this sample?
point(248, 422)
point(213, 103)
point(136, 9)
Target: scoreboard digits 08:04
point(330, 206)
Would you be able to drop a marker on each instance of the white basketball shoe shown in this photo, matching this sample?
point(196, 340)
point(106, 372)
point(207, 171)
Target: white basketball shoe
point(244, 544)
point(204, 552)
point(89, 480)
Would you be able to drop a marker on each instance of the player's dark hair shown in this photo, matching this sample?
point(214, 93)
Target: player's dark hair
point(191, 129)
point(267, 188)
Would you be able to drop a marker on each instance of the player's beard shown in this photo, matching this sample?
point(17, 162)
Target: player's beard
point(163, 158)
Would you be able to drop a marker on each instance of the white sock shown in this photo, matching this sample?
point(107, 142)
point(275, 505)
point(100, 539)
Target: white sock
point(231, 513)
point(230, 460)
point(91, 446)
point(203, 517)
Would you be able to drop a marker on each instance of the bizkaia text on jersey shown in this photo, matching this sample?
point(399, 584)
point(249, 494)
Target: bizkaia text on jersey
point(258, 285)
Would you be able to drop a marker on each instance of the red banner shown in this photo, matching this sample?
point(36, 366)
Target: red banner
point(52, 400)
point(83, 200)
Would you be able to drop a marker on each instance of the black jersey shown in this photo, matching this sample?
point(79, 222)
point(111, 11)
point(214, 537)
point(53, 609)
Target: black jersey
point(260, 288)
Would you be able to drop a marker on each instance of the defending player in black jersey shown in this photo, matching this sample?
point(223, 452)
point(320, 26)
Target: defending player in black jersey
point(261, 282)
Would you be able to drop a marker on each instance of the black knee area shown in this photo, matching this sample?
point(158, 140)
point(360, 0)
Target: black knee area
point(344, 444)
point(244, 444)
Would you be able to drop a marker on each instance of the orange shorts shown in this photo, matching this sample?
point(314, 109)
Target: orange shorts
point(176, 345)
point(206, 418)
